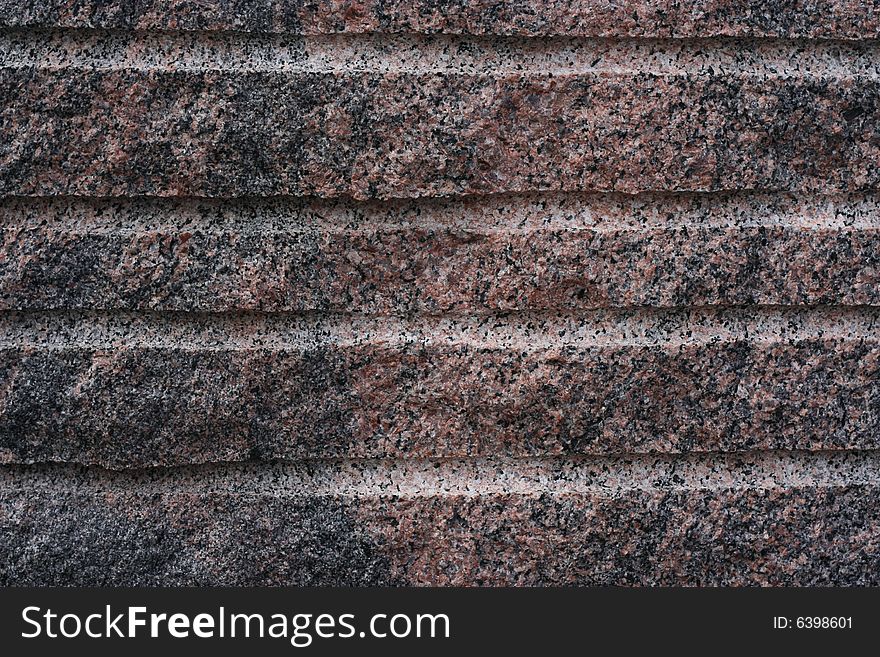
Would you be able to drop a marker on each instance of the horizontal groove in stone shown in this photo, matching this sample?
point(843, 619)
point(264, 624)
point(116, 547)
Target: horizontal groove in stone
point(405, 135)
point(478, 255)
point(646, 327)
point(463, 477)
point(506, 213)
point(422, 55)
point(818, 19)
point(132, 390)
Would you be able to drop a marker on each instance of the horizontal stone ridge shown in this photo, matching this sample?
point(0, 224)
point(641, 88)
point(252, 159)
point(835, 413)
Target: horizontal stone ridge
point(531, 253)
point(463, 477)
point(413, 55)
point(520, 331)
point(817, 19)
point(66, 526)
point(139, 390)
point(774, 117)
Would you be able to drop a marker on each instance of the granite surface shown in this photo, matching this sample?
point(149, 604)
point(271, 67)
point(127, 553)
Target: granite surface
point(797, 535)
point(543, 253)
point(450, 293)
point(79, 122)
point(840, 19)
point(93, 390)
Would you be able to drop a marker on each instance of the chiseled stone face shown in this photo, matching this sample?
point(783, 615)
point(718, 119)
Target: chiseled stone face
point(147, 405)
point(637, 18)
point(798, 536)
point(537, 253)
point(379, 134)
point(439, 293)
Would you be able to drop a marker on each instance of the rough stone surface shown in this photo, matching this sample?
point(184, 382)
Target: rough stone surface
point(644, 18)
point(389, 395)
point(481, 255)
point(85, 126)
point(797, 536)
point(450, 293)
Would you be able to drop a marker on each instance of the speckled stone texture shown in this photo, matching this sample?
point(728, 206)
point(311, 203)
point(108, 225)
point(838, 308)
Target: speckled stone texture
point(796, 536)
point(450, 293)
point(696, 525)
point(641, 18)
point(484, 254)
point(692, 117)
point(113, 392)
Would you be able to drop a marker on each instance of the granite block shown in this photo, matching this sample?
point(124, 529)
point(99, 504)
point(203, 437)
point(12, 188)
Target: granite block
point(142, 533)
point(439, 293)
point(529, 253)
point(130, 390)
point(99, 117)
